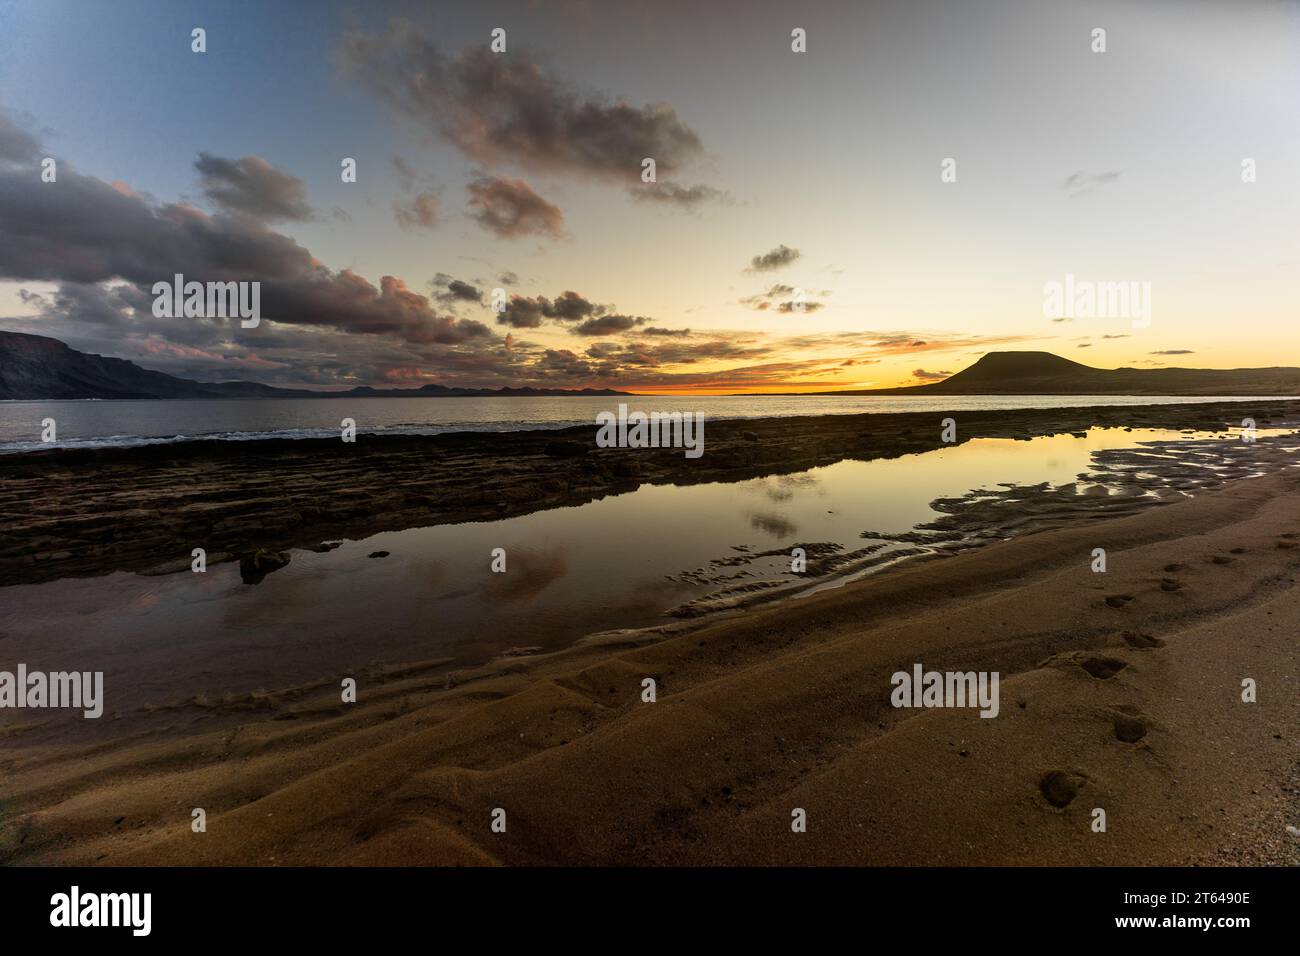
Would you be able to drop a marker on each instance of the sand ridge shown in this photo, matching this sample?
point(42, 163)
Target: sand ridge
point(1117, 691)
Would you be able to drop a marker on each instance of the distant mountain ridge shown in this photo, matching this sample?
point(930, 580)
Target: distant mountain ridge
point(36, 367)
point(1042, 373)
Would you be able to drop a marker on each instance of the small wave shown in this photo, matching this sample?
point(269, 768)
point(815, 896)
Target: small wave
point(131, 441)
point(716, 408)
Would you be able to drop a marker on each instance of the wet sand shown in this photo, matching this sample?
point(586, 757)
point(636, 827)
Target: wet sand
point(87, 512)
point(1119, 691)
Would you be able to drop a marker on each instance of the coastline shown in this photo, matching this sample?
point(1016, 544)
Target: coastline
point(782, 707)
point(82, 512)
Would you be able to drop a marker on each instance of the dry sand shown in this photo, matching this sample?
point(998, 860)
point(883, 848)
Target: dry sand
point(1121, 689)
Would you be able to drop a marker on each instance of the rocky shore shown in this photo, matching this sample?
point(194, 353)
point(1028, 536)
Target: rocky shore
point(94, 511)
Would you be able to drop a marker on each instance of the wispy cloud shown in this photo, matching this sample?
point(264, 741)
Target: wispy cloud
point(498, 108)
point(1081, 183)
point(510, 209)
point(778, 258)
point(419, 212)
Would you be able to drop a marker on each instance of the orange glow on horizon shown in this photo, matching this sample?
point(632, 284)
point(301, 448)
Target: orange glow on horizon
point(741, 388)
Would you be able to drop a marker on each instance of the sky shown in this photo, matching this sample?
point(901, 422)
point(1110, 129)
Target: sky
point(804, 230)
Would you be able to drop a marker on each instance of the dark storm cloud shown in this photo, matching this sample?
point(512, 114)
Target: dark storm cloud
point(349, 302)
point(253, 187)
point(1173, 352)
point(16, 144)
point(569, 306)
point(81, 230)
point(451, 291)
point(505, 108)
point(610, 324)
point(274, 354)
point(103, 246)
point(522, 312)
point(765, 375)
point(618, 356)
point(562, 362)
point(778, 258)
point(671, 194)
point(94, 303)
point(510, 209)
point(420, 212)
point(925, 376)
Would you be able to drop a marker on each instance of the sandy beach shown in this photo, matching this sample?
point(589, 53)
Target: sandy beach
point(1120, 691)
point(844, 454)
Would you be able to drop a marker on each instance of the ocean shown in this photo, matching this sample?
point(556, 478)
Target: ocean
point(140, 422)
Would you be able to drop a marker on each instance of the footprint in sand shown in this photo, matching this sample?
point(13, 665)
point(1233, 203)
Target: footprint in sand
point(1175, 567)
point(1118, 600)
point(1101, 667)
point(1138, 639)
point(1130, 728)
point(1060, 787)
point(1171, 584)
point(1222, 559)
point(1236, 550)
point(1288, 544)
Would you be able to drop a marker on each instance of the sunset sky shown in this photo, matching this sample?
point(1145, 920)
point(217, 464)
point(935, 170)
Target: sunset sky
point(777, 171)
